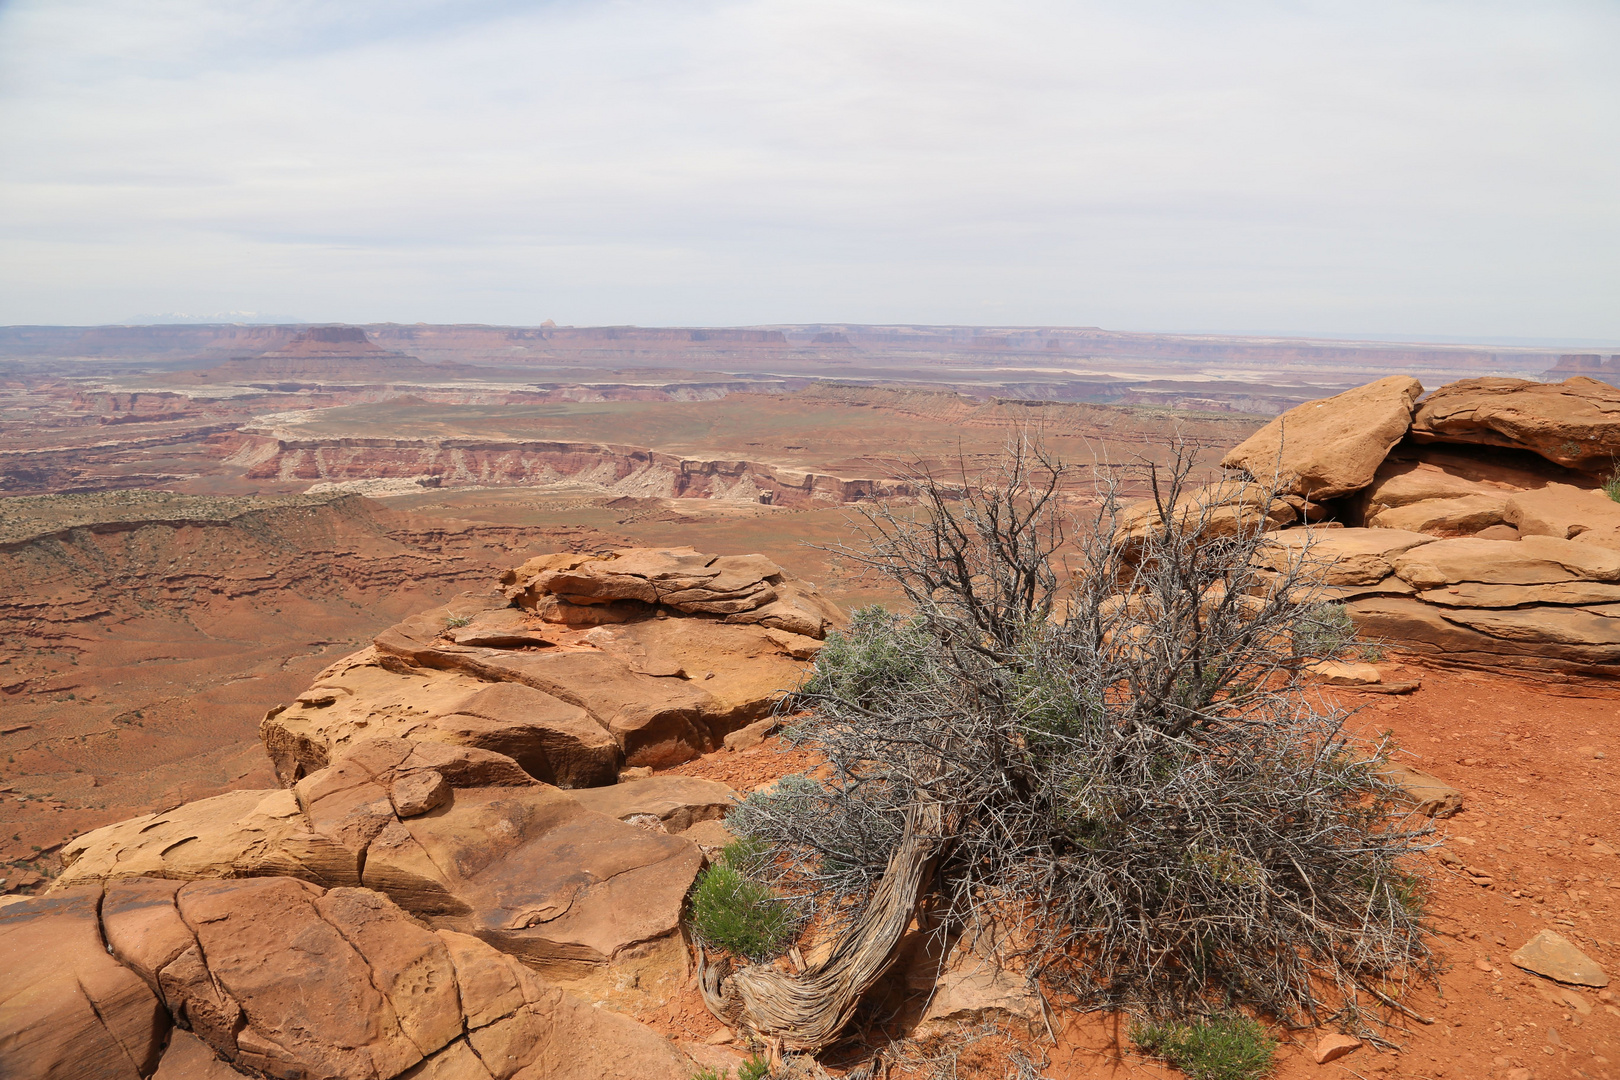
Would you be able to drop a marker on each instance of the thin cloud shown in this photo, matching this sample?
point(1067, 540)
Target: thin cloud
point(1442, 168)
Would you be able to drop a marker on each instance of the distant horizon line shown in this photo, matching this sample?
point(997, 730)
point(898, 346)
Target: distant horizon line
point(1513, 342)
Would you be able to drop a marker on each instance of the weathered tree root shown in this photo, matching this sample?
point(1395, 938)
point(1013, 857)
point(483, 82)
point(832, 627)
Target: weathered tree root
point(807, 1011)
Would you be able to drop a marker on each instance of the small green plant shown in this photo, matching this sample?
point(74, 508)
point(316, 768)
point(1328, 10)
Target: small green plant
point(731, 910)
point(1324, 631)
point(454, 621)
point(755, 1068)
point(1226, 1047)
point(1611, 486)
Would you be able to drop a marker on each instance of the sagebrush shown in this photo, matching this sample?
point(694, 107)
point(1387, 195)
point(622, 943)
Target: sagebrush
point(1131, 791)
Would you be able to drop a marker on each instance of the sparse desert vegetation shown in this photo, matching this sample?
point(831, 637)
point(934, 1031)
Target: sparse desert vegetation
point(1107, 770)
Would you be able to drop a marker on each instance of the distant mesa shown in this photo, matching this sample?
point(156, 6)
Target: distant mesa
point(330, 341)
point(1591, 365)
point(341, 354)
point(830, 337)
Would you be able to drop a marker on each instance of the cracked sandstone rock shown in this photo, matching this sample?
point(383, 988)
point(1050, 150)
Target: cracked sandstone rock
point(666, 689)
point(748, 589)
point(513, 861)
point(280, 977)
point(1575, 423)
point(362, 697)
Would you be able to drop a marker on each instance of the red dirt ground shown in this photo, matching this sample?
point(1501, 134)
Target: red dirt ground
point(1537, 765)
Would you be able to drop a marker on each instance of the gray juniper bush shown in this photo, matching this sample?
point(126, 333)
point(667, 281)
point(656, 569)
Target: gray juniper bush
point(1089, 736)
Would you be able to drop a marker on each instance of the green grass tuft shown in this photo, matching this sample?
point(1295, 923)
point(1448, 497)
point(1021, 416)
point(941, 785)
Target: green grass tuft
point(755, 1068)
point(1611, 486)
point(732, 911)
point(1228, 1047)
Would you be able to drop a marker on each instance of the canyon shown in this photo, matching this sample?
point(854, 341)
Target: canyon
point(238, 560)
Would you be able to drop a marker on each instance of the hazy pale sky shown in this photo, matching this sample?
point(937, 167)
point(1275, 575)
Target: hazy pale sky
point(1357, 167)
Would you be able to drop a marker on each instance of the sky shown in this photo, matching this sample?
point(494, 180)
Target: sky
point(1367, 168)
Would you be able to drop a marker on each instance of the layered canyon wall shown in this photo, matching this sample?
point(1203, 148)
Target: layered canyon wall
point(626, 470)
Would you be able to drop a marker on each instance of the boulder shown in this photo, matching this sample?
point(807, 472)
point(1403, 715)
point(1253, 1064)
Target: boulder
point(141, 925)
point(665, 689)
point(189, 1058)
point(255, 943)
point(1464, 516)
point(1339, 557)
point(678, 802)
point(1500, 549)
point(698, 646)
point(365, 696)
point(972, 994)
point(1403, 481)
point(970, 988)
point(744, 669)
point(67, 1007)
point(1534, 560)
point(1556, 957)
point(540, 877)
point(518, 863)
point(1494, 468)
point(554, 741)
point(748, 589)
point(418, 793)
point(1575, 423)
point(1566, 513)
point(754, 734)
point(1324, 449)
point(654, 720)
point(502, 628)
